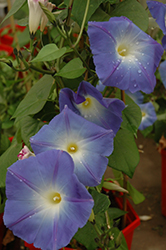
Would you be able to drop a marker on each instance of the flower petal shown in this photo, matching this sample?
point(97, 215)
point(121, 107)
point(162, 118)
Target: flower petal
point(124, 56)
point(105, 112)
point(158, 12)
point(72, 133)
point(35, 216)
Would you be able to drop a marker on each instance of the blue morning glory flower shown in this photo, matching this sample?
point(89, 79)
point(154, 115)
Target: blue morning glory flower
point(162, 71)
point(137, 97)
point(83, 140)
point(158, 12)
point(46, 204)
point(124, 55)
point(89, 103)
point(148, 115)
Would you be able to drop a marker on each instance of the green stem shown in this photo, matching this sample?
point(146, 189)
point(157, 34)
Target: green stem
point(48, 72)
point(83, 24)
point(61, 32)
point(69, 12)
point(85, 64)
point(107, 220)
point(59, 59)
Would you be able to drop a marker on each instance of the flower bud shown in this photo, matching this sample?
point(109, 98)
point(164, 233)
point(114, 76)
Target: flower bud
point(44, 18)
point(25, 153)
point(35, 13)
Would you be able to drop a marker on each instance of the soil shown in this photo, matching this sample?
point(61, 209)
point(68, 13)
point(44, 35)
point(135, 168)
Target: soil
point(151, 234)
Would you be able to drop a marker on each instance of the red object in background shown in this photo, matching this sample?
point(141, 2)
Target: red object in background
point(11, 138)
point(163, 181)
point(7, 39)
point(6, 48)
point(31, 247)
point(133, 221)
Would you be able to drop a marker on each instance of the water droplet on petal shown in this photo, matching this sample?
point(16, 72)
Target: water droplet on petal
point(137, 43)
point(135, 85)
point(117, 68)
point(142, 54)
point(139, 71)
point(147, 63)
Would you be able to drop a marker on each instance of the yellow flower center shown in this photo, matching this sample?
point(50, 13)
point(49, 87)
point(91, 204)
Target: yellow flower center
point(123, 50)
point(143, 114)
point(72, 148)
point(54, 198)
point(86, 103)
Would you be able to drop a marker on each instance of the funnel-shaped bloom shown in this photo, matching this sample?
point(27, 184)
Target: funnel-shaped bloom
point(162, 71)
point(137, 97)
point(89, 103)
point(46, 203)
point(148, 115)
point(158, 12)
point(35, 14)
point(87, 144)
point(124, 55)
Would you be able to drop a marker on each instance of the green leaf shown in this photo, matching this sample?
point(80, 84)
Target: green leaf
point(4, 143)
point(125, 156)
point(7, 124)
point(23, 21)
point(99, 16)
point(7, 159)
point(86, 236)
point(137, 197)
point(36, 98)
point(49, 52)
point(131, 116)
point(123, 245)
point(113, 186)
point(79, 9)
point(72, 69)
point(134, 11)
point(101, 202)
point(15, 7)
point(29, 127)
point(160, 129)
point(115, 213)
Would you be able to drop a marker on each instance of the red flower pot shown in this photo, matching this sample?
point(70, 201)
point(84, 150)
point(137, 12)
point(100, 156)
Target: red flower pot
point(133, 221)
point(31, 247)
point(163, 181)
